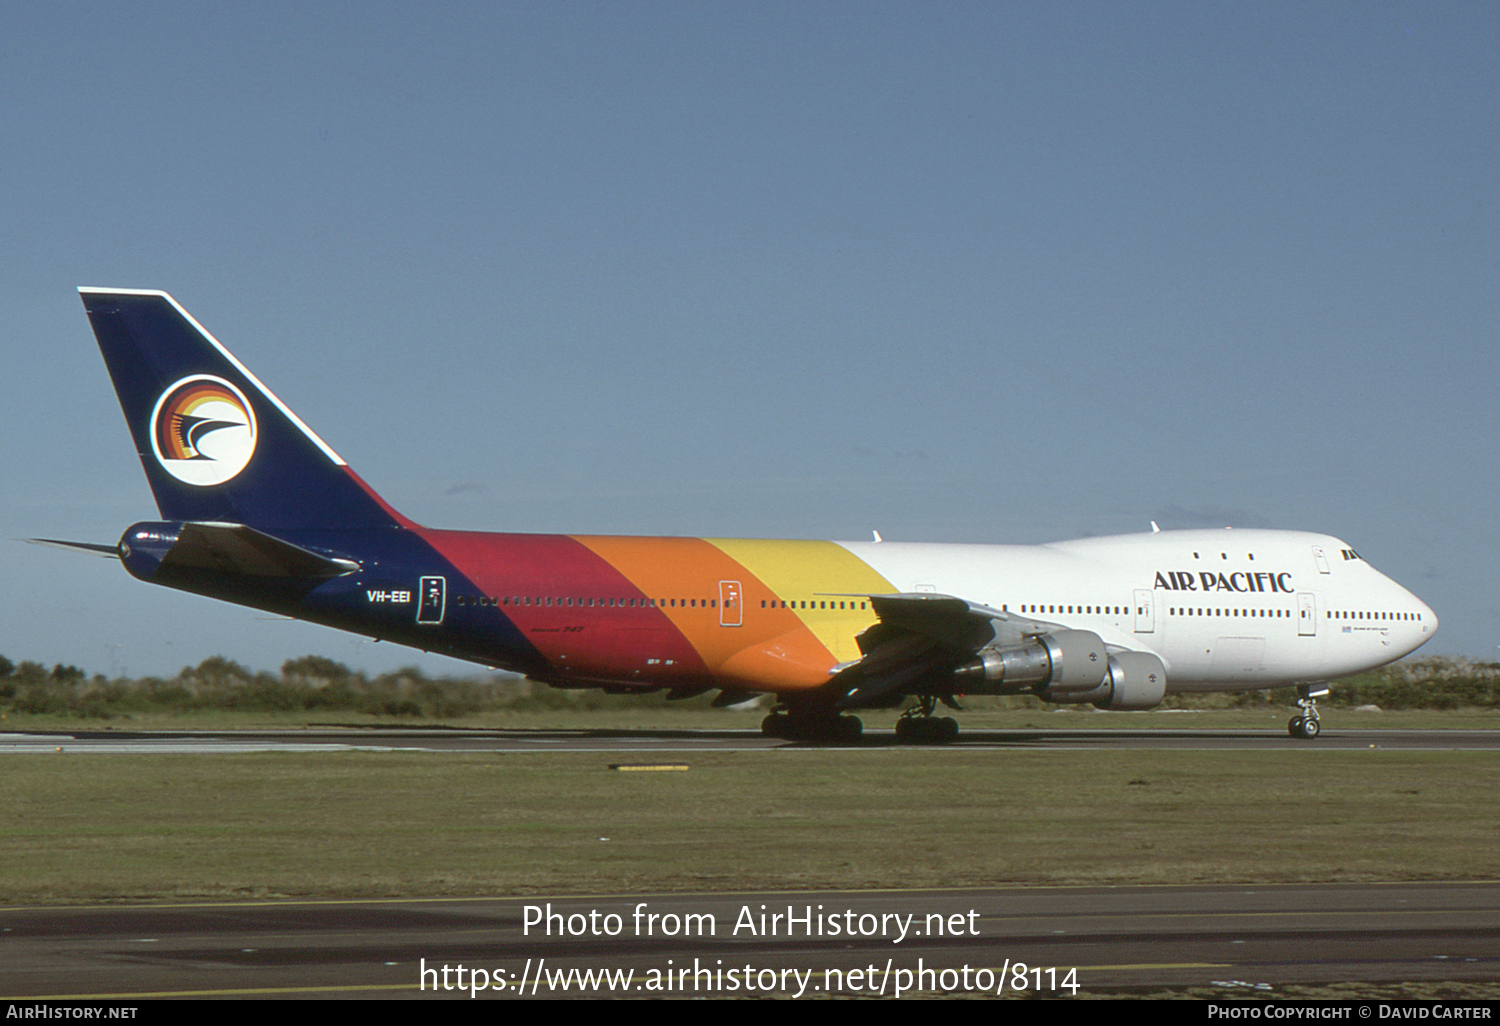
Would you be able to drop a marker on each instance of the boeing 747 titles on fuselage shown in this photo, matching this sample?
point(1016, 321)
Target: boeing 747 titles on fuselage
point(256, 509)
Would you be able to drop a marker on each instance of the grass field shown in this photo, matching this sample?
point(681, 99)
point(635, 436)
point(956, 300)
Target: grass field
point(103, 827)
point(655, 713)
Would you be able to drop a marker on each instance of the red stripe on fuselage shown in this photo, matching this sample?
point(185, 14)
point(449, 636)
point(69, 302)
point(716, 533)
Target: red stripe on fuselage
point(587, 619)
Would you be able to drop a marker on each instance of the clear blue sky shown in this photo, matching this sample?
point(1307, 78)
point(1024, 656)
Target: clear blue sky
point(994, 272)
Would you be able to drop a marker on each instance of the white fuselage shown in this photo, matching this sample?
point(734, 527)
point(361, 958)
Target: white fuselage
point(1226, 610)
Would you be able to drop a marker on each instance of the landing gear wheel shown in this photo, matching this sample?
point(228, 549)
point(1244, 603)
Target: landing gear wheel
point(1306, 729)
point(776, 725)
point(847, 728)
point(920, 729)
point(1305, 724)
point(802, 728)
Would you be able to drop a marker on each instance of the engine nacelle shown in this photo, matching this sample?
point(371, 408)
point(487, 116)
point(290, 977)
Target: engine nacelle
point(1067, 662)
point(1136, 680)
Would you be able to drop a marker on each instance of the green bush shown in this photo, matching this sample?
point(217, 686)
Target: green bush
point(317, 685)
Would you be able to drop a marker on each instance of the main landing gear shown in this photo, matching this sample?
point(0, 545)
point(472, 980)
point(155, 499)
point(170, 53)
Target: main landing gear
point(822, 724)
point(1305, 724)
point(829, 726)
point(919, 725)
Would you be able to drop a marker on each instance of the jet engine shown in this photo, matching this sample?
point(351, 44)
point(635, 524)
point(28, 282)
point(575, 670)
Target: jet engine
point(1136, 680)
point(1065, 662)
point(1067, 667)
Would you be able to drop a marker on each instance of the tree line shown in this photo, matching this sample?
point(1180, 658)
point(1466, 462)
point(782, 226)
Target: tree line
point(310, 684)
point(313, 684)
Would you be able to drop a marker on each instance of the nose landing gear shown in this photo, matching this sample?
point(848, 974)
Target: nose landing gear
point(1305, 724)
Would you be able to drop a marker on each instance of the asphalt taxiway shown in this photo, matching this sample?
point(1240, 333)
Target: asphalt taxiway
point(1240, 941)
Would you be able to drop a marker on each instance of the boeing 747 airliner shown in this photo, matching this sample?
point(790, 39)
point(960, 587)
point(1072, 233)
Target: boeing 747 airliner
point(257, 510)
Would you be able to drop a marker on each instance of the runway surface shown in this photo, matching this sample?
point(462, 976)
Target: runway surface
point(1241, 941)
point(627, 741)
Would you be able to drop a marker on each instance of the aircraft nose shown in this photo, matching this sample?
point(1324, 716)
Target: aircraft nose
point(1427, 620)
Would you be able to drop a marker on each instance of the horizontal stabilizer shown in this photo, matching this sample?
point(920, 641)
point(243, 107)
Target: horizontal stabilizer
point(237, 549)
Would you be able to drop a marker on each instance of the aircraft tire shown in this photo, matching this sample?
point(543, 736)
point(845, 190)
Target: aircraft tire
point(926, 730)
point(791, 728)
point(1301, 726)
point(849, 728)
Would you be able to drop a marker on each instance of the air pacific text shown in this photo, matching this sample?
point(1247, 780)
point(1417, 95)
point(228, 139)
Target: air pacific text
point(1186, 580)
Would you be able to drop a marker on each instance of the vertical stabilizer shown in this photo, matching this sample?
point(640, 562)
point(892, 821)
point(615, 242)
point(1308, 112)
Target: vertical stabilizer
point(216, 445)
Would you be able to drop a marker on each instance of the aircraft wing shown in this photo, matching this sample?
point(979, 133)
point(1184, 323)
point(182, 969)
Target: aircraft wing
point(923, 637)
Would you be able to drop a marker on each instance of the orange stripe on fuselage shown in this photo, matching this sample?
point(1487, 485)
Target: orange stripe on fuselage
point(771, 649)
point(644, 611)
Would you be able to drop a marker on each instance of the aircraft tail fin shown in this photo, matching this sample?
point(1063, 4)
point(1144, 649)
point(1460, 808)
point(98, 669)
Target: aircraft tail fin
point(216, 444)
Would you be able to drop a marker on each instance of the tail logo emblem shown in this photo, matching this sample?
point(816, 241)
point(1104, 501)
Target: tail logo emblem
point(203, 431)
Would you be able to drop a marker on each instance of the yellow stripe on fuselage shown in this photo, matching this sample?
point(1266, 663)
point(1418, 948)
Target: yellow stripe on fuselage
point(773, 646)
point(812, 571)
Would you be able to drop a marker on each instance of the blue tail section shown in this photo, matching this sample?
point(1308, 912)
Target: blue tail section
point(215, 443)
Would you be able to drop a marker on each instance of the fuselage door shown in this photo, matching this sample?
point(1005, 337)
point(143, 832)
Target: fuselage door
point(1320, 559)
point(730, 612)
point(1145, 615)
point(1307, 614)
point(434, 598)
